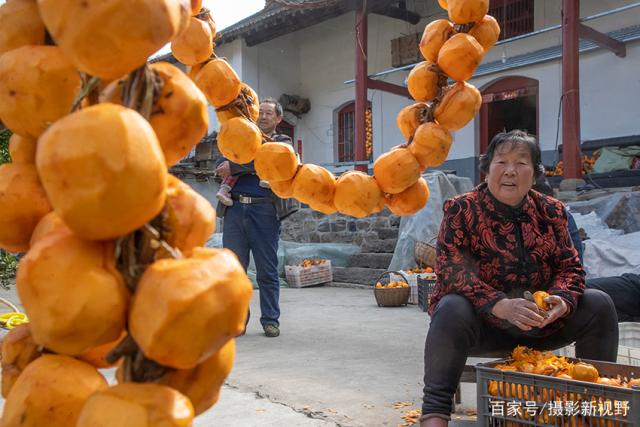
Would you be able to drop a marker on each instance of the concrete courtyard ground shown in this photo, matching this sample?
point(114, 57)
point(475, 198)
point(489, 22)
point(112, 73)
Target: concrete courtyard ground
point(340, 361)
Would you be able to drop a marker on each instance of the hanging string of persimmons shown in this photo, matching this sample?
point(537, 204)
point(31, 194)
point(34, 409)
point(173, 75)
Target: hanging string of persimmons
point(452, 50)
point(116, 273)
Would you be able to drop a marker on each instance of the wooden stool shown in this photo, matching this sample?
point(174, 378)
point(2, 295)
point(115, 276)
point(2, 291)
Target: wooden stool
point(469, 372)
point(468, 376)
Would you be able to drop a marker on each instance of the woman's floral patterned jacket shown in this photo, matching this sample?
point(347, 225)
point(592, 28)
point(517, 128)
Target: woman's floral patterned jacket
point(487, 251)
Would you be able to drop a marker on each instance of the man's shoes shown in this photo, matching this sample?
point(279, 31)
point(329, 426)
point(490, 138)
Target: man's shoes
point(271, 331)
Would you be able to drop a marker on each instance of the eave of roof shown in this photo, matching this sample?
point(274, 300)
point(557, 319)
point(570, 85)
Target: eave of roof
point(276, 20)
point(234, 31)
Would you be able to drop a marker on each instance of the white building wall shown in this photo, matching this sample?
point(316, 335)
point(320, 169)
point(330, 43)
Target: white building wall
point(547, 13)
point(271, 68)
point(315, 62)
point(275, 67)
point(610, 102)
point(609, 99)
point(324, 71)
point(324, 68)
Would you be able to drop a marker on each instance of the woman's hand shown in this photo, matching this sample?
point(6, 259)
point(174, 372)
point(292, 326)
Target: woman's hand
point(558, 309)
point(518, 312)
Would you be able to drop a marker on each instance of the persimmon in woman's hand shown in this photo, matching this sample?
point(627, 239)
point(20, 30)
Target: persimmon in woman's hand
point(539, 298)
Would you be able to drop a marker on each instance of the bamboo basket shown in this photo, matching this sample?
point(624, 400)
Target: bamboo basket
point(425, 253)
point(393, 297)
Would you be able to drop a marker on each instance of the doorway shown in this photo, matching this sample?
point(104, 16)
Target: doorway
point(510, 114)
point(508, 103)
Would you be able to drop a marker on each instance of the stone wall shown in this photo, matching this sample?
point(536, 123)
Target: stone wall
point(376, 233)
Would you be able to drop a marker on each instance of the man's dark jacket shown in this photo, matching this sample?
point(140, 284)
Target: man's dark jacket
point(284, 207)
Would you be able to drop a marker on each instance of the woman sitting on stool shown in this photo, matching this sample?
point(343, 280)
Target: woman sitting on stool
point(496, 242)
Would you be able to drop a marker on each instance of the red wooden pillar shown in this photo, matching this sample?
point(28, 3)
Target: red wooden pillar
point(361, 85)
point(571, 89)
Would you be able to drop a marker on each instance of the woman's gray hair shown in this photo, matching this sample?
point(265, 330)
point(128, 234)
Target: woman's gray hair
point(516, 137)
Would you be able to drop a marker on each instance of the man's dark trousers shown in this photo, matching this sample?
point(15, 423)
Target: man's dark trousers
point(255, 227)
point(624, 290)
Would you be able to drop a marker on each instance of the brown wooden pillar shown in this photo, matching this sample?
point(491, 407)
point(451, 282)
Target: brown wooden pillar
point(571, 89)
point(361, 85)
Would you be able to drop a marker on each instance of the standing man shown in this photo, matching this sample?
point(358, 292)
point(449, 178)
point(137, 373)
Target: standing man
point(252, 222)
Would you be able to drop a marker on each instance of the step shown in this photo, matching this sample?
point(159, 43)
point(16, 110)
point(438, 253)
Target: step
point(388, 233)
point(370, 260)
point(358, 275)
point(379, 245)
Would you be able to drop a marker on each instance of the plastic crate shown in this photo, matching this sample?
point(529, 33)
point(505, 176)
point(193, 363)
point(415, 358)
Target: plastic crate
point(629, 334)
point(536, 400)
point(412, 279)
point(300, 277)
point(626, 355)
point(425, 289)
